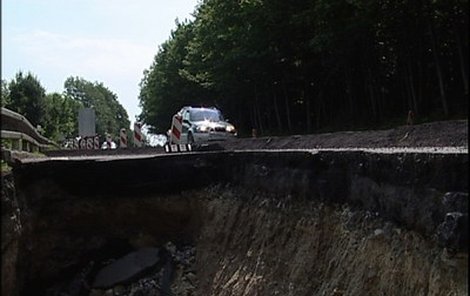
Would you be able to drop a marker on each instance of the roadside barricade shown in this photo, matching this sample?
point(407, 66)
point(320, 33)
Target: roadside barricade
point(96, 142)
point(89, 143)
point(137, 134)
point(176, 129)
point(75, 144)
point(123, 138)
point(82, 144)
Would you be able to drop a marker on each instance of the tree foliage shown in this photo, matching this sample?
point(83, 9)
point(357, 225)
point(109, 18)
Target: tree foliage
point(27, 97)
point(110, 114)
point(165, 86)
point(58, 113)
point(61, 120)
point(5, 93)
point(302, 66)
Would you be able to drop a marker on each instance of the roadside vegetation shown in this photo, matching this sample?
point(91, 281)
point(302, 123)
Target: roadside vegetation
point(5, 168)
point(299, 66)
point(57, 113)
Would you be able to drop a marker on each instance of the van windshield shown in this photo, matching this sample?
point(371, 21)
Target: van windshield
point(205, 114)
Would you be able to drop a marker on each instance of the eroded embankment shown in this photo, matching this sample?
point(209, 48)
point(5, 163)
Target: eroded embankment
point(265, 246)
point(272, 223)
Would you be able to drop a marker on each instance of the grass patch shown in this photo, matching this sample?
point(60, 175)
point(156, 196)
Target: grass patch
point(5, 167)
point(6, 143)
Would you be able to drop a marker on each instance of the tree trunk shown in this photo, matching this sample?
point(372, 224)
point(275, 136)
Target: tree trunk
point(463, 65)
point(253, 117)
point(419, 93)
point(308, 115)
point(319, 109)
point(276, 111)
point(323, 105)
point(406, 104)
point(258, 113)
point(305, 98)
point(407, 89)
point(286, 100)
point(412, 88)
point(349, 94)
point(439, 72)
point(370, 89)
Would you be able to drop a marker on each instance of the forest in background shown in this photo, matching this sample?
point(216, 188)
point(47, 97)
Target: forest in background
point(57, 113)
point(303, 66)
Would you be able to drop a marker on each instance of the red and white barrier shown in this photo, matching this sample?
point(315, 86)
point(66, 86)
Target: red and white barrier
point(89, 143)
point(96, 142)
point(170, 148)
point(176, 129)
point(108, 141)
point(82, 144)
point(75, 144)
point(123, 138)
point(137, 134)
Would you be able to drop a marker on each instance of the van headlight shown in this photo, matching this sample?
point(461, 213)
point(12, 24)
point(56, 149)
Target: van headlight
point(202, 128)
point(230, 128)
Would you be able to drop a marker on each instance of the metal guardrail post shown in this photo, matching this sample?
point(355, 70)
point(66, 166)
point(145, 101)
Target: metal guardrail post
point(22, 130)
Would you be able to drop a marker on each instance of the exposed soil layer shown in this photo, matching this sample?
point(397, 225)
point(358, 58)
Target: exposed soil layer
point(260, 245)
point(11, 232)
point(227, 240)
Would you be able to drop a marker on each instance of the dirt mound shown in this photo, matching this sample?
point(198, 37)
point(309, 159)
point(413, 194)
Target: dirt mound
point(435, 134)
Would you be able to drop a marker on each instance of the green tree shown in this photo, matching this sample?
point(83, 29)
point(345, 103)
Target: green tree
point(303, 66)
point(5, 93)
point(110, 114)
point(26, 96)
point(166, 86)
point(61, 119)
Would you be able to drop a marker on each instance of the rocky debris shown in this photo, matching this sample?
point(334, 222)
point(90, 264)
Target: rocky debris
point(174, 276)
point(76, 287)
point(127, 268)
point(167, 272)
point(453, 232)
point(455, 201)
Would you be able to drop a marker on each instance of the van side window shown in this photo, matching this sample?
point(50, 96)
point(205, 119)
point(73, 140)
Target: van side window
point(186, 115)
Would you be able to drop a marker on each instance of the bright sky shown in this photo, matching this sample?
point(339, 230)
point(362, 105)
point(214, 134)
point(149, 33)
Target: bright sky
point(109, 41)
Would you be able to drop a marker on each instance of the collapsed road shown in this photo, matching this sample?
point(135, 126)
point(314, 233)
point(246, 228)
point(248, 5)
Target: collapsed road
point(238, 222)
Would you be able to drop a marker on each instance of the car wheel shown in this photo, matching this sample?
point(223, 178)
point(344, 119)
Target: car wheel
point(190, 138)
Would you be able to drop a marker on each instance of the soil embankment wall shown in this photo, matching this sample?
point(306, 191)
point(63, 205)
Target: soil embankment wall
point(263, 223)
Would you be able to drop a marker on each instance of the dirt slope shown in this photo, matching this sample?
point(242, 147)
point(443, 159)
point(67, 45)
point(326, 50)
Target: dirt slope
point(435, 134)
point(276, 247)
